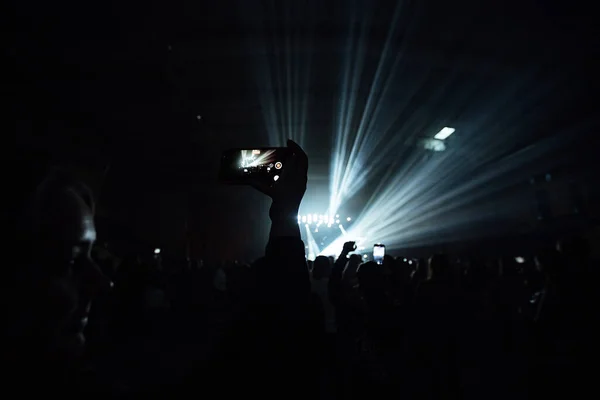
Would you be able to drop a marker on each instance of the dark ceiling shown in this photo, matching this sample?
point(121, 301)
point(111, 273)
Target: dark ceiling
point(122, 85)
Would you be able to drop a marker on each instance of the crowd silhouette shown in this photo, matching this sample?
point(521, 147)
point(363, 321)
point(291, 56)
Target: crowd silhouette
point(77, 322)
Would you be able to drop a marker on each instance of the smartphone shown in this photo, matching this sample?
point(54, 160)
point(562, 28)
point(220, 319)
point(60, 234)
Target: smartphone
point(378, 253)
point(238, 166)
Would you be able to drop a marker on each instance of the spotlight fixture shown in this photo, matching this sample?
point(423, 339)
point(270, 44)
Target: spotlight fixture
point(444, 133)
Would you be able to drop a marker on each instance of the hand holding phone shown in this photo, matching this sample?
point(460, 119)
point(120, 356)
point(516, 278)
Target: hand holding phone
point(243, 166)
point(289, 189)
point(279, 172)
point(349, 247)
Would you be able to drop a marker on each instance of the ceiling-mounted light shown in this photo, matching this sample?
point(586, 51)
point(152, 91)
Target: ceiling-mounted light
point(444, 133)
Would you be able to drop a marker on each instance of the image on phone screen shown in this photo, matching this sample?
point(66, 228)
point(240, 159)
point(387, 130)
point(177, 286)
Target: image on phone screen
point(241, 165)
point(378, 253)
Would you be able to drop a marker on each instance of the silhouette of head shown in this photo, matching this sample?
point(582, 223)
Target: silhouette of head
point(355, 259)
point(574, 249)
point(548, 261)
point(370, 276)
point(321, 268)
point(439, 267)
point(388, 261)
point(57, 280)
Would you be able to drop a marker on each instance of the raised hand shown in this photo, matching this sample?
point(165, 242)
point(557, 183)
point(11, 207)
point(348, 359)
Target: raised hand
point(288, 191)
point(349, 247)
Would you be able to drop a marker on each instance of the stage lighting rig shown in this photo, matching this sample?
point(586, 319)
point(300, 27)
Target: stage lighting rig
point(320, 219)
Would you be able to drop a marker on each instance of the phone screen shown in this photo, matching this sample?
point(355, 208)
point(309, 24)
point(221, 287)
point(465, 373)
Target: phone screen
point(240, 165)
point(378, 253)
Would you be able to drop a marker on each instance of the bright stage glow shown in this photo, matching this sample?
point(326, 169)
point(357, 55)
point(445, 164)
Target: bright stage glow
point(313, 247)
point(317, 219)
point(365, 256)
point(417, 197)
point(444, 192)
point(444, 133)
point(276, 177)
point(348, 219)
point(157, 251)
point(335, 248)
